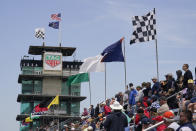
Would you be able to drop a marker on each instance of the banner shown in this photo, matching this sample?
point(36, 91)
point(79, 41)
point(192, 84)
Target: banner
point(52, 61)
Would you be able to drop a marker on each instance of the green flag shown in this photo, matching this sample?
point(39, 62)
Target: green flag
point(76, 79)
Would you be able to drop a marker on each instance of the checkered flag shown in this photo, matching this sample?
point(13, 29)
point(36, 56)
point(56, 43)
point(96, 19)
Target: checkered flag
point(144, 28)
point(40, 33)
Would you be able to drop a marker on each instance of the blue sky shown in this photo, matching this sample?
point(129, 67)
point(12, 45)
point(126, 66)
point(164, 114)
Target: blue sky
point(91, 26)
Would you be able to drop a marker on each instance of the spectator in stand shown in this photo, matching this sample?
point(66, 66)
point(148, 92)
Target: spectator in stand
point(170, 82)
point(85, 113)
point(187, 75)
point(139, 116)
point(164, 106)
point(116, 121)
point(169, 120)
point(119, 97)
point(150, 89)
point(146, 89)
point(155, 87)
point(126, 97)
point(107, 109)
point(112, 101)
point(132, 96)
point(139, 94)
point(179, 80)
point(155, 102)
point(92, 111)
point(167, 84)
point(144, 85)
point(194, 92)
point(170, 86)
point(190, 90)
point(130, 86)
point(186, 121)
point(97, 110)
point(145, 122)
point(153, 112)
point(192, 108)
point(65, 128)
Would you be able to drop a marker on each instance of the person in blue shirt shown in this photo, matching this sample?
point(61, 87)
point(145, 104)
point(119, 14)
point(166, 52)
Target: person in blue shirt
point(155, 87)
point(132, 96)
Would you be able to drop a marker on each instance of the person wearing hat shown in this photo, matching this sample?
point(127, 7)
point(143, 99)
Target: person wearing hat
point(169, 120)
point(65, 128)
point(190, 90)
point(187, 75)
point(155, 87)
point(116, 121)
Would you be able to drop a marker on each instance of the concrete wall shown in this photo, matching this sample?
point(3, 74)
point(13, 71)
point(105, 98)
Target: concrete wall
point(51, 86)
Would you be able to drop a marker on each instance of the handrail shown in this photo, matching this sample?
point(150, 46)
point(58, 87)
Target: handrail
point(149, 128)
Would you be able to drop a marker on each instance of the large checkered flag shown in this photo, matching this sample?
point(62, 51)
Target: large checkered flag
point(40, 33)
point(144, 28)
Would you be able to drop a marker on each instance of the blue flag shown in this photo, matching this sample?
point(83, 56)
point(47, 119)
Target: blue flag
point(113, 52)
point(54, 25)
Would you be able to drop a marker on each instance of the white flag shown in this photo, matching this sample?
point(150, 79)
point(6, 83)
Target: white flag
point(92, 64)
point(40, 33)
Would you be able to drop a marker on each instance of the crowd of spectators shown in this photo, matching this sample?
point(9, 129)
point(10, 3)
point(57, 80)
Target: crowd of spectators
point(168, 105)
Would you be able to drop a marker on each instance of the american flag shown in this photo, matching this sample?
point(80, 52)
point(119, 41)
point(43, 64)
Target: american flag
point(56, 16)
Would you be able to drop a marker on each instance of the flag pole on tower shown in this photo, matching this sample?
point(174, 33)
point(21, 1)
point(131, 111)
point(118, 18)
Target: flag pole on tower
point(56, 25)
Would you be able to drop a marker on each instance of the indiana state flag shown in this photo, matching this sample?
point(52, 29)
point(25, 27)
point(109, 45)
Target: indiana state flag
point(54, 25)
point(113, 52)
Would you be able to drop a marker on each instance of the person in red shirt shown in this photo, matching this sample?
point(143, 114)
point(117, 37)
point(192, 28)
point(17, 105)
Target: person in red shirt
point(107, 109)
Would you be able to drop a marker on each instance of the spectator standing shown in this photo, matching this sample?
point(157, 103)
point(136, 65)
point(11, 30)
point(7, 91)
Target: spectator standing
point(85, 113)
point(179, 80)
point(132, 96)
point(116, 121)
point(155, 87)
point(190, 90)
point(92, 111)
point(139, 94)
point(97, 110)
point(146, 90)
point(187, 75)
point(107, 109)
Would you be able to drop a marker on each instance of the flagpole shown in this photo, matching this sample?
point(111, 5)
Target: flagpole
point(105, 80)
point(44, 41)
point(89, 87)
point(157, 60)
point(60, 39)
point(58, 117)
point(195, 74)
point(125, 64)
